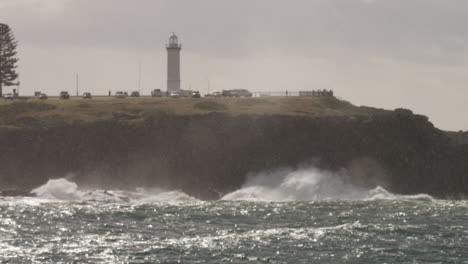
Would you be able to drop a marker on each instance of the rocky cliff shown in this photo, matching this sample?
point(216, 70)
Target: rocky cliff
point(210, 154)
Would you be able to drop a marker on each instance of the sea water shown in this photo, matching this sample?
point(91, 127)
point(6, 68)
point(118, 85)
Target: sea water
point(277, 217)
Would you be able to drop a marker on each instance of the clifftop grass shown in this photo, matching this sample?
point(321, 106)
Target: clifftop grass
point(210, 106)
point(34, 113)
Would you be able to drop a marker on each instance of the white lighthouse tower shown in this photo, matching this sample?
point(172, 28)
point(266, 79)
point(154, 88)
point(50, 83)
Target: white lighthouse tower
point(173, 64)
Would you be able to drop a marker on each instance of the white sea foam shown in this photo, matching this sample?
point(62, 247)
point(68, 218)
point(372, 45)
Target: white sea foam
point(227, 239)
point(281, 185)
point(380, 193)
point(64, 190)
point(307, 184)
point(59, 189)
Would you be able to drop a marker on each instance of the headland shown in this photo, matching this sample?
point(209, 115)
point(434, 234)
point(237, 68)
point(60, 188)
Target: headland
point(208, 146)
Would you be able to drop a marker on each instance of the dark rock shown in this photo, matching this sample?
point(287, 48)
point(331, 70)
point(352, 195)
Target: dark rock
point(210, 155)
point(15, 193)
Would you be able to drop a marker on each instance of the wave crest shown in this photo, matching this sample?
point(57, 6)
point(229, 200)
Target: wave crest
point(64, 190)
point(307, 184)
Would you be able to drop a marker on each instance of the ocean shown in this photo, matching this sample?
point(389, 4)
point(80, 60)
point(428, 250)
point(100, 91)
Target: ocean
point(282, 216)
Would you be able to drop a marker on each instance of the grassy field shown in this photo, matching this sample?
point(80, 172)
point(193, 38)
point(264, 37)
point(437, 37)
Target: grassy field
point(44, 113)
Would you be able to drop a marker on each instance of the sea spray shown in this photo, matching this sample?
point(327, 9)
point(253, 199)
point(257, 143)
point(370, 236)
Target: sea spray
point(60, 189)
point(280, 185)
point(304, 184)
point(64, 190)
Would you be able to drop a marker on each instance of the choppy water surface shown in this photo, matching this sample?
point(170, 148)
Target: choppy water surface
point(66, 225)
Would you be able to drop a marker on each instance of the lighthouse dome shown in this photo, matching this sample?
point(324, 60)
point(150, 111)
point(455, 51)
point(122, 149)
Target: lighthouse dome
point(173, 38)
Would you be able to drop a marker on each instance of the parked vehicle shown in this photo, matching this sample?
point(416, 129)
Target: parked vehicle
point(120, 94)
point(8, 96)
point(135, 94)
point(236, 93)
point(185, 93)
point(196, 94)
point(174, 94)
point(87, 96)
point(215, 94)
point(64, 95)
point(156, 93)
point(43, 96)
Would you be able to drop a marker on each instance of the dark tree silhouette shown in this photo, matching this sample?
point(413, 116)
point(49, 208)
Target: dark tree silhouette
point(8, 59)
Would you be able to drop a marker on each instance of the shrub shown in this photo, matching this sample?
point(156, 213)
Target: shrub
point(124, 116)
point(40, 121)
point(335, 103)
point(28, 122)
point(155, 114)
point(210, 106)
point(17, 108)
point(254, 101)
point(84, 105)
point(403, 111)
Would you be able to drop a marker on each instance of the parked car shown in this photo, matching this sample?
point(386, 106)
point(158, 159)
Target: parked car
point(135, 94)
point(43, 96)
point(156, 93)
point(215, 94)
point(174, 94)
point(196, 94)
point(8, 96)
point(87, 96)
point(236, 93)
point(185, 93)
point(64, 95)
point(120, 94)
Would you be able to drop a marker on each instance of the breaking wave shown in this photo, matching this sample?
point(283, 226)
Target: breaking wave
point(308, 184)
point(280, 185)
point(64, 190)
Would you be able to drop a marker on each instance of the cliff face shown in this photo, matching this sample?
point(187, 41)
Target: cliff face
point(458, 138)
point(209, 155)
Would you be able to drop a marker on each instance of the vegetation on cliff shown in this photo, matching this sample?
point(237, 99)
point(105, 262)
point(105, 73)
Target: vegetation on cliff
point(50, 113)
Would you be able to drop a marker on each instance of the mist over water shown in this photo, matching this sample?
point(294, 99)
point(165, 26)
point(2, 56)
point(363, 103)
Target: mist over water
point(64, 190)
point(279, 185)
point(306, 184)
point(296, 185)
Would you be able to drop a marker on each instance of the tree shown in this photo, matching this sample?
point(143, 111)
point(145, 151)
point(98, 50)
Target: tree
point(8, 59)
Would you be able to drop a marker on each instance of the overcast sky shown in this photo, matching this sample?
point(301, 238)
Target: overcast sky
point(381, 53)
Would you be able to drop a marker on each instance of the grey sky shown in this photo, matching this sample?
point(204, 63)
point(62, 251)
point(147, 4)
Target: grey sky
point(383, 53)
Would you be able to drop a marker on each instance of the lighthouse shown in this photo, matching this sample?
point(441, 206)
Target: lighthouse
point(173, 64)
